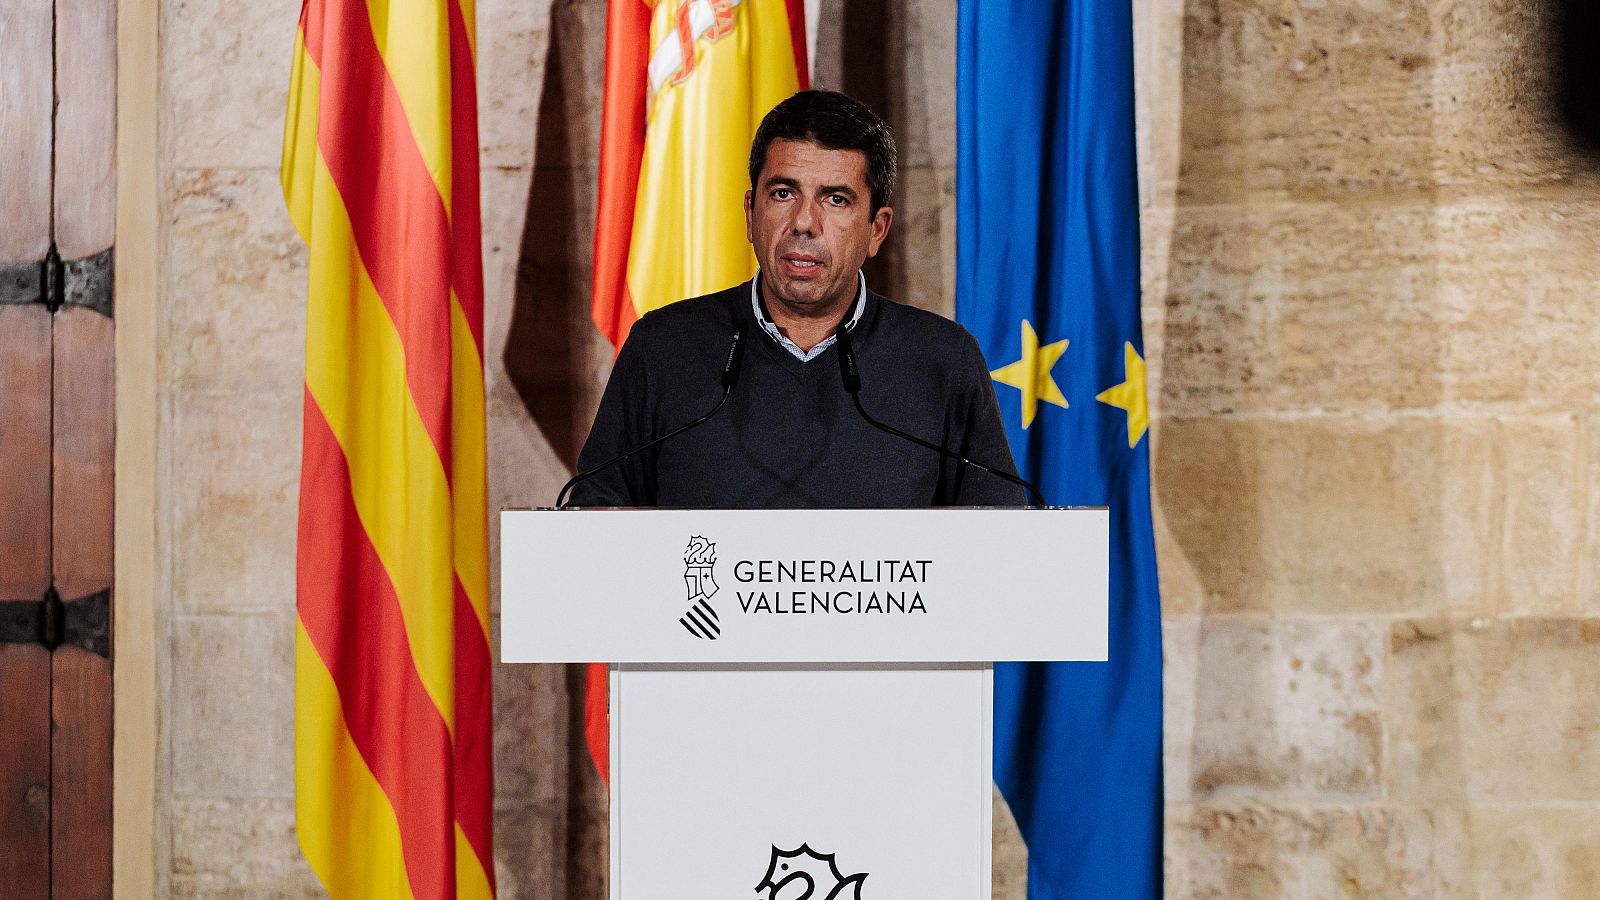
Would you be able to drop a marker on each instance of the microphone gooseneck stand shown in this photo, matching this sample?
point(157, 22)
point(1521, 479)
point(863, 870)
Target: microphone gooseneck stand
point(730, 377)
point(852, 386)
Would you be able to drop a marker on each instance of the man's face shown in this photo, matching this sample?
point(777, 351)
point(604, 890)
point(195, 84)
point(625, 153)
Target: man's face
point(810, 221)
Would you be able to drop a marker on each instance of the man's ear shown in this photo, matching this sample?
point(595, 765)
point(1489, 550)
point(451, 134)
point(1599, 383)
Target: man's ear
point(880, 229)
point(749, 217)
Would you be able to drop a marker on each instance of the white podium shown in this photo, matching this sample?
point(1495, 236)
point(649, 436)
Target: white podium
point(800, 699)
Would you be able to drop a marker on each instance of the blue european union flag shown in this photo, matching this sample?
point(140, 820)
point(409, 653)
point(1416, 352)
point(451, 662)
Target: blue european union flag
point(1048, 281)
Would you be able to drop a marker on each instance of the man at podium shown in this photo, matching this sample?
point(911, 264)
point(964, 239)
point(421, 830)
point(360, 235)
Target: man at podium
point(802, 388)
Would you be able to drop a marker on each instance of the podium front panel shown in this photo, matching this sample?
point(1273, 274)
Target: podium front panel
point(733, 586)
point(728, 781)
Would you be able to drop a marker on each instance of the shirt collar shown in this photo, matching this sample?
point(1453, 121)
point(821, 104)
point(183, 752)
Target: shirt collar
point(767, 325)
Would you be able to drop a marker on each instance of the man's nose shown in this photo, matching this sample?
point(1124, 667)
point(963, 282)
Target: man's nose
point(806, 219)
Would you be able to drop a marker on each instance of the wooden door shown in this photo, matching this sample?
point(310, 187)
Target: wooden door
point(57, 201)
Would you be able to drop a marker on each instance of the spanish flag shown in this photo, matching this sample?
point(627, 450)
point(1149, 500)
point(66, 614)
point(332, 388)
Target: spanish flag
point(393, 771)
point(687, 83)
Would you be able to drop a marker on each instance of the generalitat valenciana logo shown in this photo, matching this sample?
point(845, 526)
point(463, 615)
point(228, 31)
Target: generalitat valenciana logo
point(805, 874)
point(700, 619)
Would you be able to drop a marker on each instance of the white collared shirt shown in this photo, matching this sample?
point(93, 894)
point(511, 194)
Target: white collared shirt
point(772, 329)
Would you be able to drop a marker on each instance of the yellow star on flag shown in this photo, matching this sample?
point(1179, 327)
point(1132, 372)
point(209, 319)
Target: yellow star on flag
point(1129, 395)
point(1031, 374)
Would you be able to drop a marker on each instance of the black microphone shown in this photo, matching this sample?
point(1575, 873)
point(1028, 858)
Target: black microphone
point(847, 366)
point(735, 360)
point(730, 377)
point(852, 386)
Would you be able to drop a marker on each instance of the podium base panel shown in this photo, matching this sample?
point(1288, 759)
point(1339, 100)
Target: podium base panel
point(751, 782)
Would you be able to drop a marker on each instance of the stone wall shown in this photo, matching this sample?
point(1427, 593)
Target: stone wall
point(1370, 272)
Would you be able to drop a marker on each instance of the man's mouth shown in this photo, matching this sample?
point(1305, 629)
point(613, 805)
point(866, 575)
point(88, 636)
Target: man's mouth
point(801, 261)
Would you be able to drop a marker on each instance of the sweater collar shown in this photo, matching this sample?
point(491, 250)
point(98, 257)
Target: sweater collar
point(758, 308)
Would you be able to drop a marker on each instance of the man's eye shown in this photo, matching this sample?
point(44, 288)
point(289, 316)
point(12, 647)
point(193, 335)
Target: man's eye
point(780, 194)
point(838, 199)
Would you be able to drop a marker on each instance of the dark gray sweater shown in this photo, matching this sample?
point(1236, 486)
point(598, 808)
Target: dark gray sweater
point(789, 436)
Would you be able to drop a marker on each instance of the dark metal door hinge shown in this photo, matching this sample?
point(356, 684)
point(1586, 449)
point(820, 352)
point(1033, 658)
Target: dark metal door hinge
point(52, 279)
point(52, 622)
point(55, 282)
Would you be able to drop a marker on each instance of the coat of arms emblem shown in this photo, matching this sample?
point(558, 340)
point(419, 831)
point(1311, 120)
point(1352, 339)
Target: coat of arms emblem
point(698, 560)
point(805, 874)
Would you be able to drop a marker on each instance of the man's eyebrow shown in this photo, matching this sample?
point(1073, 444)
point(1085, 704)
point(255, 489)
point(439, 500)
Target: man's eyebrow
point(780, 180)
point(845, 189)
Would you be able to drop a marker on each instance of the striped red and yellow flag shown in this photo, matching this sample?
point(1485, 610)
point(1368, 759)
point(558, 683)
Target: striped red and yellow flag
point(687, 83)
point(393, 768)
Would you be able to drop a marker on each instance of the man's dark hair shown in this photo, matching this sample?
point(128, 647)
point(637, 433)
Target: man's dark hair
point(833, 121)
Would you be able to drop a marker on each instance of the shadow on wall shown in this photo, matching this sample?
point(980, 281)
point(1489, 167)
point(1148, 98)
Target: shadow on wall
point(552, 348)
point(870, 39)
point(1577, 78)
